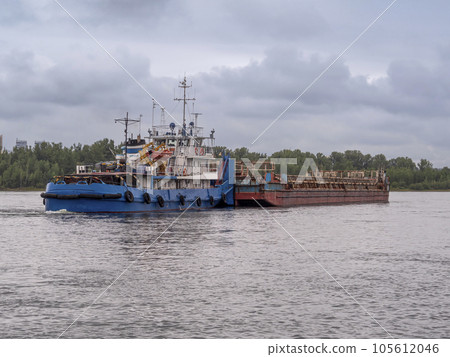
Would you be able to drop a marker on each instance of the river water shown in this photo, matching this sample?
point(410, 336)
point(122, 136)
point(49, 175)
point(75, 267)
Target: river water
point(228, 273)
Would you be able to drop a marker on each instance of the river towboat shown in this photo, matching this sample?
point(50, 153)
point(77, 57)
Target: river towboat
point(175, 170)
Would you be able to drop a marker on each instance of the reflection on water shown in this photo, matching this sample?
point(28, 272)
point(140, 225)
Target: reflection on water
point(227, 273)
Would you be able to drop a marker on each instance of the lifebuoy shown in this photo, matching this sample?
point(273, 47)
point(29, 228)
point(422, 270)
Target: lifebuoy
point(202, 151)
point(147, 198)
point(196, 151)
point(160, 201)
point(184, 172)
point(129, 196)
point(211, 200)
point(182, 200)
point(198, 201)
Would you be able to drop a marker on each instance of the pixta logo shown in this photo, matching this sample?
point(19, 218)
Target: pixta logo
point(308, 171)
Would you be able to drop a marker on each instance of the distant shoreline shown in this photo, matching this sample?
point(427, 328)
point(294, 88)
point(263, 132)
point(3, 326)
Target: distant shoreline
point(410, 190)
point(23, 189)
point(33, 189)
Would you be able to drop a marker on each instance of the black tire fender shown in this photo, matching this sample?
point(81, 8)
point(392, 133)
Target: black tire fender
point(147, 198)
point(112, 195)
point(67, 197)
point(160, 201)
point(129, 196)
point(91, 195)
point(48, 195)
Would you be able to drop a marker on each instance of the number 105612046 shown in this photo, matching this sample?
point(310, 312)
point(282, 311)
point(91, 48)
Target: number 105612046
point(405, 348)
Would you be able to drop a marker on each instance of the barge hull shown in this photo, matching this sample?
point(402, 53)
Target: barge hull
point(302, 197)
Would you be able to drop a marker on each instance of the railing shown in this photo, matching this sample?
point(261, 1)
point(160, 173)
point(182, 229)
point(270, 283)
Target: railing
point(182, 170)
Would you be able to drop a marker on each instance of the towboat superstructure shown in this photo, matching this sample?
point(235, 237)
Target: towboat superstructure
point(174, 169)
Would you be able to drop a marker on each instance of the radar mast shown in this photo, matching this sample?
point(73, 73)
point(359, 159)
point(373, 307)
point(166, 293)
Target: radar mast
point(183, 84)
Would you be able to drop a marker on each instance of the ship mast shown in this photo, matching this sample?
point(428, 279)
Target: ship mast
point(183, 84)
point(127, 121)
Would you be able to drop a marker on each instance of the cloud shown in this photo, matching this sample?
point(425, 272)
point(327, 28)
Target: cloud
point(341, 110)
point(248, 61)
point(15, 12)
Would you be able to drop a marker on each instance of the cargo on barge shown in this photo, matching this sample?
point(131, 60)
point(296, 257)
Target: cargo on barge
point(313, 188)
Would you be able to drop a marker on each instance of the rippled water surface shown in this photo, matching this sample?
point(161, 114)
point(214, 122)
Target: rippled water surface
point(231, 273)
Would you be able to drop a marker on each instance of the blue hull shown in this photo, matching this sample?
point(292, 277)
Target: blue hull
point(68, 198)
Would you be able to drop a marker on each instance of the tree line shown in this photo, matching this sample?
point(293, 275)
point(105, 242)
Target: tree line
point(33, 167)
point(404, 173)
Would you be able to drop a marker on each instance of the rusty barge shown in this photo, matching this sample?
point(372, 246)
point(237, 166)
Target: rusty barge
point(312, 188)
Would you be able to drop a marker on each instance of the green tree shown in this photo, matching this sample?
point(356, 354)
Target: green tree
point(425, 164)
point(379, 162)
point(404, 162)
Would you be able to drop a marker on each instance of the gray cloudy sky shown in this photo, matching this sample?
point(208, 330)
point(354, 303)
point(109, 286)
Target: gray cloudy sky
point(247, 59)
